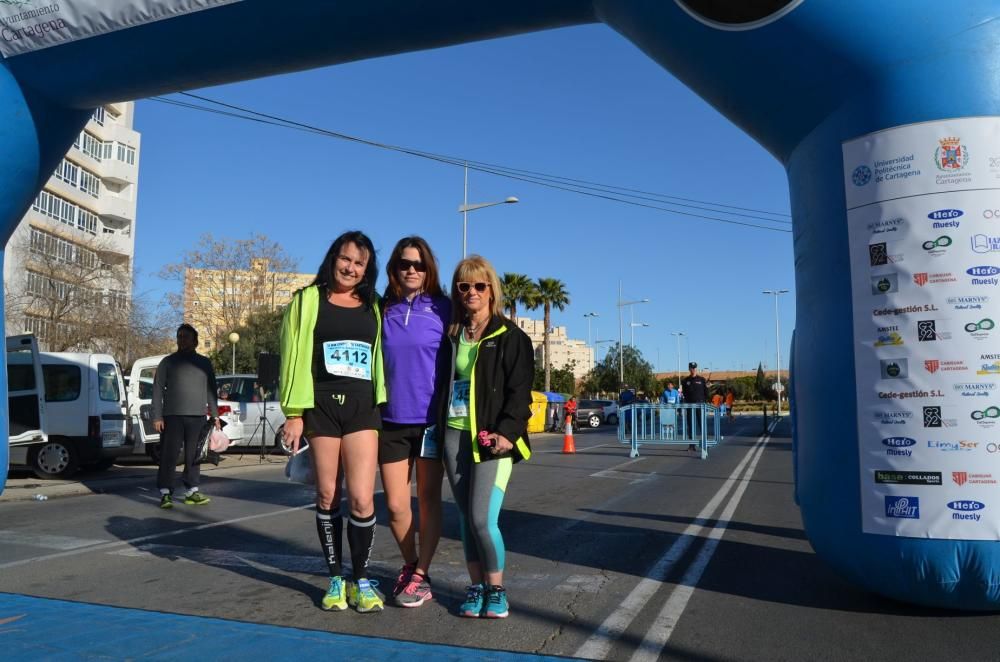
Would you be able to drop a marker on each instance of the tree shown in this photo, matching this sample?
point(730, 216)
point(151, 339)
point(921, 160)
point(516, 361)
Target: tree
point(261, 333)
point(73, 295)
point(563, 379)
point(763, 390)
point(551, 293)
point(518, 288)
point(604, 378)
point(227, 280)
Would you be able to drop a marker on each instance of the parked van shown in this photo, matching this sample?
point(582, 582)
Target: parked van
point(25, 404)
point(85, 420)
point(140, 392)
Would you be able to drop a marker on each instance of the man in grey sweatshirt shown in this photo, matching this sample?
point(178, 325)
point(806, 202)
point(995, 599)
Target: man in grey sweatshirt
point(183, 388)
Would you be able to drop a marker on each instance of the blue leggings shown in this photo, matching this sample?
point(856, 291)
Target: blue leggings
point(479, 490)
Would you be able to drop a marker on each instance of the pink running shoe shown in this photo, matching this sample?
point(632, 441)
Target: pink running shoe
point(416, 592)
point(404, 578)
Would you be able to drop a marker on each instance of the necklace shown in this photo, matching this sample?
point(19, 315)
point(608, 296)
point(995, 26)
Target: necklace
point(471, 329)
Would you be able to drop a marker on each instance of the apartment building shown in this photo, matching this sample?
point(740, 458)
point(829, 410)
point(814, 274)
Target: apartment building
point(218, 301)
point(69, 264)
point(564, 349)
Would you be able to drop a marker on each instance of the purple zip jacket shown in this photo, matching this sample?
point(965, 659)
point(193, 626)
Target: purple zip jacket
point(416, 357)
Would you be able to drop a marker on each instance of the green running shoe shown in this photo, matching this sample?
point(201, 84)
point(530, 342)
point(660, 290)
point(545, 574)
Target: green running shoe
point(362, 596)
point(166, 501)
point(336, 597)
point(196, 499)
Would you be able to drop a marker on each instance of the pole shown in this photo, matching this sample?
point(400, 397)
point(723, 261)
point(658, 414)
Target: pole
point(234, 358)
point(621, 365)
point(777, 350)
point(465, 212)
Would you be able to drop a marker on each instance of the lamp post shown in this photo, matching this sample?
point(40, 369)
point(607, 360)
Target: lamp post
point(777, 342)
point(621, 357)
point(465, 208)
point(634, 325)
point(589, 316)
point(678, 334)
point(233, 339)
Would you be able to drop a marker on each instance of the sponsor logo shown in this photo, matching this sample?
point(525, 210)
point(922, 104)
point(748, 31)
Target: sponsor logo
point(982, 243)
point(966, 509)
point(895, 395)
point(964, 477)
point(974, 389)
point(894, 368)
point(905, 310)
point(888, 335)
point(953, 446)
point(968, 302)
point(878, 255)
point(986, 418)
point(934, 418)
point(933, 365)
point(908, 477)
point(885, 284)
point(992, 368)
point(990, 214)
point(902, 507)
point(936, 247)
point(944, 214)
point(893, 417)
point(951, 155)
point(899, 446)
point(983, 275)
point(927, 331)
point(980, 330)
point(861, 175)
point(923, 278)
point(887, 225)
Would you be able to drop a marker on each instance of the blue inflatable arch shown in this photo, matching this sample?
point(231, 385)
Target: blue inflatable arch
point(884, 115)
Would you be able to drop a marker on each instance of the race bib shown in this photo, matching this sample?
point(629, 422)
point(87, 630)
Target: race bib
point(459, 406)
point(429, 444)
point(348, 358)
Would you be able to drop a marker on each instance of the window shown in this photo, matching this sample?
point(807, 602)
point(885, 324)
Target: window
point(68, 172)
point(20, 377)
point(146, 377)
point(90, 183)
point(90, 145)
point(62, 382)
point(107, 382)
point(125, 154)
point(98, 115)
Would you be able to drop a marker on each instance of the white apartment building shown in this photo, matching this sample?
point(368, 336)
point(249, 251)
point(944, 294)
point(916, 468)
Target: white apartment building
point(564, 349)
point(77, 241)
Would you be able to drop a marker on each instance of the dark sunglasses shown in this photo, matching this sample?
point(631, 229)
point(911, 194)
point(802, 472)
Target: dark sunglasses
point(465, 287)
point(404, 265)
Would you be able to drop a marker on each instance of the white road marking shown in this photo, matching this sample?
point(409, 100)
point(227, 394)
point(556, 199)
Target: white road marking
point(578, 450)
point(598, 645)
point(663, 627)
point(617, 473)
point(46, 541)
point(153, 536)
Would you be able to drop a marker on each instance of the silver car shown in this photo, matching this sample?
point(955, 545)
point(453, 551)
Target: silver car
point(261, 419)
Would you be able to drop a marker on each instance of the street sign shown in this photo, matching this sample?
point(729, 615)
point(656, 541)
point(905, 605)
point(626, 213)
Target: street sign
point(778, 387)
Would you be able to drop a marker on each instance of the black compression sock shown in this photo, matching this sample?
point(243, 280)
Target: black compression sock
point(328, 524)
point(361, 538)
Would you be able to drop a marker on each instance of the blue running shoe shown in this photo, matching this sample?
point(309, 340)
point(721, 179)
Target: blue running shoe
point(473, 605)
point(496, 603)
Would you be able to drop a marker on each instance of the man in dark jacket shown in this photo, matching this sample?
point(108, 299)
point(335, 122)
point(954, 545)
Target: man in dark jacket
point(183, 388)
point(695, 391)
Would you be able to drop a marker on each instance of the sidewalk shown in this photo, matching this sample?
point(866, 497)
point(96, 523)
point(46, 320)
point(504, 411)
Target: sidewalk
point(22, 485)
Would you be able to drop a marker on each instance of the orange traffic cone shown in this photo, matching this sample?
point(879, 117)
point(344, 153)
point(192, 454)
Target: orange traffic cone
point(568, 445)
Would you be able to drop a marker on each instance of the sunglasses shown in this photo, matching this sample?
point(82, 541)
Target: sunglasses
point(465, 287)
point(404, 265)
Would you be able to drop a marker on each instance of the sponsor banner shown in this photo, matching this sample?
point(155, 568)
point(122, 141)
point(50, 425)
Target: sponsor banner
point(31, 25)
point(923, 216)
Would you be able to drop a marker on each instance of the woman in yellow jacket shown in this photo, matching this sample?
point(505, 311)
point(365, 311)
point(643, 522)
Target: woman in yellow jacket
point(331, 386)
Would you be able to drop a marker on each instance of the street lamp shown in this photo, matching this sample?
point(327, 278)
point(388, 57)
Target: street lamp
point(621, 358)
point(233, 339)
point(589, 316)
point(777, 342)
point(678, 334)
point(465, 208)
point(633, 325)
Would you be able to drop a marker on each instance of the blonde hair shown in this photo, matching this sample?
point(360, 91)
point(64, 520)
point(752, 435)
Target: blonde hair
point(472, 269)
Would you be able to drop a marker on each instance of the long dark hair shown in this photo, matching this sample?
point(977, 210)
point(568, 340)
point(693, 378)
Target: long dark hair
point(432, 282)
point(365, 290)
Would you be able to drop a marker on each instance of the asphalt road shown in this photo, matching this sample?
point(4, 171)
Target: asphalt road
point(663, 556)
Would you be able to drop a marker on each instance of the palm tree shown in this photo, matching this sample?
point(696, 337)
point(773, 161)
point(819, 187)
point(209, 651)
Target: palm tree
point(551, 292)
point(518, 288)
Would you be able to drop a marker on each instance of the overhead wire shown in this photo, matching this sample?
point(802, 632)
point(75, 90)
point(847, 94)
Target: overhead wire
point(623, 195)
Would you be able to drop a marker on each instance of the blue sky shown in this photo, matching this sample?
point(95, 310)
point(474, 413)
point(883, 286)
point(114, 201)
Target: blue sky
point(579, 102)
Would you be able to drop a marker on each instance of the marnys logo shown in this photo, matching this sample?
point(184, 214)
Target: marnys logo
point(974, 389)
point(886, 225)
point(968, 302)
point(893, 417)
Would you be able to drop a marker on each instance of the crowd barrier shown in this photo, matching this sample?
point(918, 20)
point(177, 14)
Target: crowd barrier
point(670, 425)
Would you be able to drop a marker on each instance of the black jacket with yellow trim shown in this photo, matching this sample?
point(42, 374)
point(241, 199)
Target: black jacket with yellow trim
point(500, 396)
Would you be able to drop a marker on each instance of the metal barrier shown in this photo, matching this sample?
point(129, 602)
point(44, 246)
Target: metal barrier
point(669, 425)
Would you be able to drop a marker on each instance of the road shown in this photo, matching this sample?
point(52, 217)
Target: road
point(665, 556)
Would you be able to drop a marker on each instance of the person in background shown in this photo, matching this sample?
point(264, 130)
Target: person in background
point(730, 399)
point(670, 395)
point(414, 328)
point(668, 414)
point(484, 421)
point(330, 387)
point(569, 411)
point(694, 389)
point(183, 389)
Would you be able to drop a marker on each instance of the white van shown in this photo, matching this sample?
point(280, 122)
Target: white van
point(140, 398)
point(85, 412)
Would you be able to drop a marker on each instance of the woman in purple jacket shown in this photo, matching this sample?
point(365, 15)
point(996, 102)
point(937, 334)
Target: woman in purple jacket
point(414, 323)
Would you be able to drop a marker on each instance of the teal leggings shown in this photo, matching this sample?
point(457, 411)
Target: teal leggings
point(479, 490)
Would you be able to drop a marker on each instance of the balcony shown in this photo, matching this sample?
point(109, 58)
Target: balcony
point(117, 172)
point(116, 213)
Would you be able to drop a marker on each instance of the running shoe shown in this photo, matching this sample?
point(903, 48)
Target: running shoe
point(404, 578)
point(166, 501)
point(473, 605)
point(196, 499)
point(417, 591)
point(362, 596)
point(496, 603)
point(336, 597)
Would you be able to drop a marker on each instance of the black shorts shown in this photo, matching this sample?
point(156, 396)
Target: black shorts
point(399, 441)
point(337, 414)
